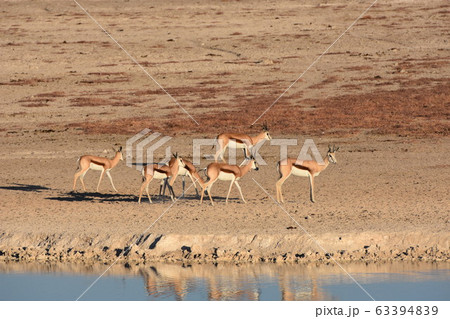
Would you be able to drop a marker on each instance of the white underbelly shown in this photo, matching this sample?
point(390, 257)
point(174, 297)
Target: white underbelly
point(226, 176)
point(233, 144)
point(300, 172)
point(182, 171)
point(158, 175)
point(96, 167)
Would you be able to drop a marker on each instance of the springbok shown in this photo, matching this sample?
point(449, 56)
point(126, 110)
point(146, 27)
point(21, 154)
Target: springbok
point(238, 140)
point(225, 172)
point(97, 163)
point(188, 170)
point(309, 169)
point(159, 171)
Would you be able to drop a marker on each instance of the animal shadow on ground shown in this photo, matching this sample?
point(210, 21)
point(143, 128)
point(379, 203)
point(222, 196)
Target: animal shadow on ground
point(25, 188)
point(194, 198)
point(93, 197)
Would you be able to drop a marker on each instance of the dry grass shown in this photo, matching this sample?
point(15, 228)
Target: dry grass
point(405, 112)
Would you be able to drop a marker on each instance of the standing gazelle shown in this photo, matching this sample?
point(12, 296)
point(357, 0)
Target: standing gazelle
point(97, 163)
point(163, 172)
point(309, 169)
point(225, 172)
point(238, 140)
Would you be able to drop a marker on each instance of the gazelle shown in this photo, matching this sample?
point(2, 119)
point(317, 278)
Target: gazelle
point(163, 172)
point(309, 169)
point(237, 140)
point(188, 170)
point(225, 172)
point(97, 163)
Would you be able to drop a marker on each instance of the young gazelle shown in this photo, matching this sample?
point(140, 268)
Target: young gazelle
point(225, 172)
point(237, 140)
point(303, 168)
point(96, 163)
point(188, 170)
point(163, 172)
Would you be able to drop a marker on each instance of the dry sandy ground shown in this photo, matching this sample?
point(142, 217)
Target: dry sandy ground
point(381, 93)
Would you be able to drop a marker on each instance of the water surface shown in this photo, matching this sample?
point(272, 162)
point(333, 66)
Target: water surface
point(392, 281)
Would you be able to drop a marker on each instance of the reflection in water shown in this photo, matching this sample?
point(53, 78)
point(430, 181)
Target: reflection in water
point(231, 282)
point(244, 282)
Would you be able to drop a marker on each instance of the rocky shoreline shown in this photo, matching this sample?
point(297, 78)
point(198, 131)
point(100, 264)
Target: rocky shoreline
point(366, 247)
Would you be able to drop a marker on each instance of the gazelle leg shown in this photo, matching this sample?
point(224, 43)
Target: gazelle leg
point(203, 193)
point(278, 186)
point(161, 185)
point(170, 182)
point(229, 190)
point(240, 191)
point(207, 188)
point(166, 186)
point(148, 194)
point(183, 182)
point(209, 194)
point(141, 190)
point(218, 153)
point(75, 177)
point(145, 186)
point(223, 152)
point(100, 179)
point(193, 182)
point(221, 156)
point(82, 179)
point(110, 179)
point(311, 187)
point(171, 192)
point(79, 174)
point(204, 188)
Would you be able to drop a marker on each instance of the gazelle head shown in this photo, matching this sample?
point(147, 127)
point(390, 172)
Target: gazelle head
point(119, 152)
point(179, 160)
point(253, 160)
point(266, 132)
point(331, 154)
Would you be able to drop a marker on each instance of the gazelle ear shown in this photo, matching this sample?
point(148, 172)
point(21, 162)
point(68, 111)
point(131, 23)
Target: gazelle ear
point(337, 149)
point(329, 148)
point(120, 149)
point(114, 150)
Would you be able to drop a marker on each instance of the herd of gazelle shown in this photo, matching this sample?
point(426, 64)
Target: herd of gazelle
point(177, 166)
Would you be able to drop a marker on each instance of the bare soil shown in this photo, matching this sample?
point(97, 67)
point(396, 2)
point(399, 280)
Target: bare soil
point(381, 93)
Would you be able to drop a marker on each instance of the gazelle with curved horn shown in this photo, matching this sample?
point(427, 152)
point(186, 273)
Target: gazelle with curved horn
point(188, 170)
point(309, 169)
point(158, 171)
point(238, 140)
point(225, 172)
point(97, 163)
